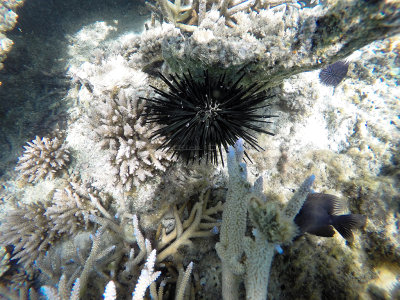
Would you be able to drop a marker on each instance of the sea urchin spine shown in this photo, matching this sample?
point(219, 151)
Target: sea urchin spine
point(200, 117)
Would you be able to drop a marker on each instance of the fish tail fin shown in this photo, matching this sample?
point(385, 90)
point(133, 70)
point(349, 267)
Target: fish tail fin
point(345, 223)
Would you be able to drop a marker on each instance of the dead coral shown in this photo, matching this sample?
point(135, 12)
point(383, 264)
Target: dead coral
point(123, 131)
point(43, 158)
point(188, 15)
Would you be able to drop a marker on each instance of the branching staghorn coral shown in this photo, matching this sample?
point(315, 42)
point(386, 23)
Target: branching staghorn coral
point(43, 158)
point(198, 224)
point(63, 291)
point(75, 260)
point(183, 279)
point(64, 254)
point(147, 277)
point(78, 259)
point(123, 131)
point(189, 15)
point(272, 227)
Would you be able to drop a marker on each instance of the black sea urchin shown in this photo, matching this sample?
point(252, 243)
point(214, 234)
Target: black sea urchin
point(200, 117)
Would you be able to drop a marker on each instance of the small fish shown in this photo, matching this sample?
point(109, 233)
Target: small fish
point(322, 212)
point(333, 74)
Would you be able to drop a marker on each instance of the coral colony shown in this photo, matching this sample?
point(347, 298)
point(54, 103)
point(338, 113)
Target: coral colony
point(110, 208)
point(201, 118)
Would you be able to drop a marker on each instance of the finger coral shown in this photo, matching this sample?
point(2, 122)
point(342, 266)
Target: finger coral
point(42, 158)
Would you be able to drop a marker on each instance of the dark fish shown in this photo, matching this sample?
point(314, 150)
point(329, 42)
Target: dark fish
point(322, 212)
point(333, 74)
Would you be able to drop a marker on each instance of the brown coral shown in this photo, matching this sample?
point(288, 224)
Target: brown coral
point(28, 230)
point(73, 206)
point(42, 158)
point(123, 131)
point(32, 228)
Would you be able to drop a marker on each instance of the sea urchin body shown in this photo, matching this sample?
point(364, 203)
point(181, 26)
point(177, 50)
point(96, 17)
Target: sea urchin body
point(198, 118)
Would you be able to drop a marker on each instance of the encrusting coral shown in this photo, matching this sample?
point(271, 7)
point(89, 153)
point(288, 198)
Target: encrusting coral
point(43, 158)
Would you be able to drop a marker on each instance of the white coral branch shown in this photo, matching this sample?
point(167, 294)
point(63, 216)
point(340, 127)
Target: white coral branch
point(147, 276)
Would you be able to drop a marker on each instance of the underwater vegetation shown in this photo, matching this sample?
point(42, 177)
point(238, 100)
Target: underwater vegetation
point(200, 118)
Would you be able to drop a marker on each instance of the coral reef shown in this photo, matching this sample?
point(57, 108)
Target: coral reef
point(43, 158)
point(32, 228)
point(73, 207)
point(138, 223)
point(190, 15)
